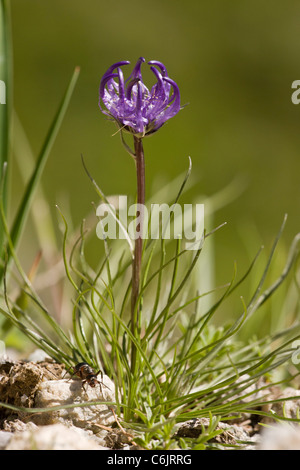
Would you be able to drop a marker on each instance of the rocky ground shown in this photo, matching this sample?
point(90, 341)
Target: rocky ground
point(44, 384)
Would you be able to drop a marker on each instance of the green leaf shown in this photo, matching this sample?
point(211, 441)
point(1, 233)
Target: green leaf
point(25, 204)
point(5, 97)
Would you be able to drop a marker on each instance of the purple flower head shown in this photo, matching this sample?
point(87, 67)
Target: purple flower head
point(134, 107)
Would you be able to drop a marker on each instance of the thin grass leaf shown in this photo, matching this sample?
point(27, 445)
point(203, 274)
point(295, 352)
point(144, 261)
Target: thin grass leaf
point(256, 293)
point(6, 105)
point(25, 204)
point(109, 208)
point(292, 257)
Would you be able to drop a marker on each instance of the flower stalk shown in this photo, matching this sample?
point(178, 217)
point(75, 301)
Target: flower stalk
point(138, 250)
point(140, 112)
point(137, 261)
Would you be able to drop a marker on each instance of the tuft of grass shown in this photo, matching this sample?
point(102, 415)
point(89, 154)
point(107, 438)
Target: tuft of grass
point(186, 366)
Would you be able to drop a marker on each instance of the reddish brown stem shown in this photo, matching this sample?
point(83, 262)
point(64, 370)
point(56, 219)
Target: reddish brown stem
point(137, 261)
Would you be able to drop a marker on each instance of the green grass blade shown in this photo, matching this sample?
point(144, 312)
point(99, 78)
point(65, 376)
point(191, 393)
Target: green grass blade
point(292, 257)
point(24, 207)
point(5, 96)
point(109, 207)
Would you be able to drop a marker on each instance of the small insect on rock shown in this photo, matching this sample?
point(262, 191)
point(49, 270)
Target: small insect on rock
point(88, 375)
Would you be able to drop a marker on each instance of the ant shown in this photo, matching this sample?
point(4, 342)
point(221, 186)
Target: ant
point(88, 375)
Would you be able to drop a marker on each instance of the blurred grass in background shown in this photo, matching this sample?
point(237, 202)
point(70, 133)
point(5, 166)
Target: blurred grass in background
point(234, 63)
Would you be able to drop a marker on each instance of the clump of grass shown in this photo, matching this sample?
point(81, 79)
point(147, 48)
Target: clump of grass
point(186, 367)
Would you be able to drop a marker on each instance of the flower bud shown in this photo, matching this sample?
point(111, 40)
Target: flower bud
point(134, 107)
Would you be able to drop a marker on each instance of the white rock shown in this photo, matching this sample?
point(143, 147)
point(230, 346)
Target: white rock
point(280, 437)
point(5, 437)
point(38, 355)
point(53, 437)
point(64, 393)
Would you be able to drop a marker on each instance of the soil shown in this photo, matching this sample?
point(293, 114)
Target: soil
point(40, 385)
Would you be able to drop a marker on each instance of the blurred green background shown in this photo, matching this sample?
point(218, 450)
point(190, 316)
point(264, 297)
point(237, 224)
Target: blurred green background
point(234, 62)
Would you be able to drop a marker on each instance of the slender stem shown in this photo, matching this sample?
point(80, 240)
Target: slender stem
point(137, 261)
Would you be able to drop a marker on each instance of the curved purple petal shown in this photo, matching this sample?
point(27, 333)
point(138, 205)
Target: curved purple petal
point(136, 73)
point(130, 86)
point(116, 65)
point(173, 107)
point(121, 86)
point(159, 85)
point(139, 116)
point(105, 79)
point(176, 95)
point(160, 65)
